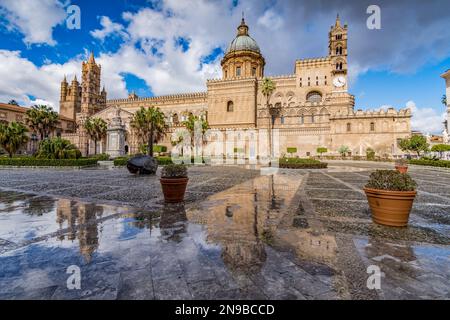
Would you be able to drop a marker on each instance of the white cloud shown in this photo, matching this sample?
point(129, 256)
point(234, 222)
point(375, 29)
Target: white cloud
point(426, 120)
point(271, 20)
point(20, 79)
point(108, 28)
point(34, 19)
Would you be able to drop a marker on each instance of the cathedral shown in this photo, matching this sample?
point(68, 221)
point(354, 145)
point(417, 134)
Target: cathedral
point(313, 106)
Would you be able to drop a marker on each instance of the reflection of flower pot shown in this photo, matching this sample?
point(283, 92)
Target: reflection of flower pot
point(174, 189)
point(390, 208)
point(401, 169)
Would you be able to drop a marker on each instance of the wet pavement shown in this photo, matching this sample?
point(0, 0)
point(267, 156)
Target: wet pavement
point(297, 234)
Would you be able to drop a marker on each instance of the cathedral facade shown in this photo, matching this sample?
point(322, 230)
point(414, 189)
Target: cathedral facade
point(313, 106)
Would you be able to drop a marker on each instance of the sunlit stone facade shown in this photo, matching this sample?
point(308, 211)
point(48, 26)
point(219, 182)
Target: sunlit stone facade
point(314, 106)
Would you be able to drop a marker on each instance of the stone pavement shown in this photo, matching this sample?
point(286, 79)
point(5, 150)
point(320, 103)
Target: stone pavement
point(298, 234)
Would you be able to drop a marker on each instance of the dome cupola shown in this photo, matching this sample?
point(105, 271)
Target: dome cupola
point(243, 57)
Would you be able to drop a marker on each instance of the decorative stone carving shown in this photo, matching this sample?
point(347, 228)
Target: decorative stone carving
point(116, 135)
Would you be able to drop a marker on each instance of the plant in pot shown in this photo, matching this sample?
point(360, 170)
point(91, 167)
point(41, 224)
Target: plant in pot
point(390, 195)
point(401, 165)
point(174, 180)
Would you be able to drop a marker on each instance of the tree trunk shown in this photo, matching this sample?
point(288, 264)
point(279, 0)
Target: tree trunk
point(95, 147)
point(270, 134)
point(150, 143)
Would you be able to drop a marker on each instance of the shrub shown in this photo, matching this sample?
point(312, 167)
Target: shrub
point(156, 148)
point(291, 150)
point(321, 150)
point(57, 148)
point(174, 171)
point(370, 154)
point(101, 157)
point(299, 163)
point(433, 163)
point(343, 150)
point(164, 160)
point(35, 162)
point(391, 180)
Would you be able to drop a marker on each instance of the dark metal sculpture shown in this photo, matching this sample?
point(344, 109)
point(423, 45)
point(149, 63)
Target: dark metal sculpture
point(142, 164)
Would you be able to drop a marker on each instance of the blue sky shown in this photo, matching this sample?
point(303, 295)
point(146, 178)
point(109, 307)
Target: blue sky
point(161, 47)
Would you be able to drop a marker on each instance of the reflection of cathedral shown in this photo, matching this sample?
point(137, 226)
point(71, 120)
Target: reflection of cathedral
point(81, 220)
point(244, 218)
point(314, 106)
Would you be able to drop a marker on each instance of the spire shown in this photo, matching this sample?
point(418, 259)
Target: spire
point(338, 21)
point(75, 79)
point(65, 80)
point(91, 58)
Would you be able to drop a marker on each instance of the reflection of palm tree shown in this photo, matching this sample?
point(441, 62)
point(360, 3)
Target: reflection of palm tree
point(268, 87)
point(145, 220)
point(173, 222)
point(39, 206)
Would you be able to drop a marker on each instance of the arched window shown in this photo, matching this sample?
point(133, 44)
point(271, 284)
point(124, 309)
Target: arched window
point(238, 71)
point(338, 50)
point(349, 127)
point(314, 96)
point(282, 120)
point(302, 119)
point(339, 66)
point(230, 106)
point(372, 126)
point(313, 119)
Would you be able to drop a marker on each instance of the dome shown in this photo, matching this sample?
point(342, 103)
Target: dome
point(243, 41)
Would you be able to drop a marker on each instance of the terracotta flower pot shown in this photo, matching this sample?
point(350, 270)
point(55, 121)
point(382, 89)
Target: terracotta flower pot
point(390, 208)
point(174, 189)
point(401, 169)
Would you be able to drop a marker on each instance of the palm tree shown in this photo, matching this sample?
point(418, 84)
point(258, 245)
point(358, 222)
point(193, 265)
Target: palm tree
point(42, 120)
point(57, 148)
point(150, 126)
point(13, 102)
point(96, 129)
point(267, 88)
point(444, 100)
point(12, 137)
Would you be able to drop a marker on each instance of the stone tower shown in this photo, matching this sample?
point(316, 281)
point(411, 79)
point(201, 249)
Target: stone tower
point(338, 37)
point(92, 100)
point(446, 76)
point(243, 58)
point(70, 98)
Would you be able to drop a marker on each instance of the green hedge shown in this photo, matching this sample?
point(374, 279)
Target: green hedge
point(299, 163)
point(433, 163)
point(122, 161)
point(291, 150)
point(34, 162)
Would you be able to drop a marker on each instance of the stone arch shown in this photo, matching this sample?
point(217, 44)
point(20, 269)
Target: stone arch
point(314, 96)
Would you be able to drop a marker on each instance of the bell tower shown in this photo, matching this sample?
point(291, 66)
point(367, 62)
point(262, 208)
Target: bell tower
point(92, 100)
point(338, 47)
